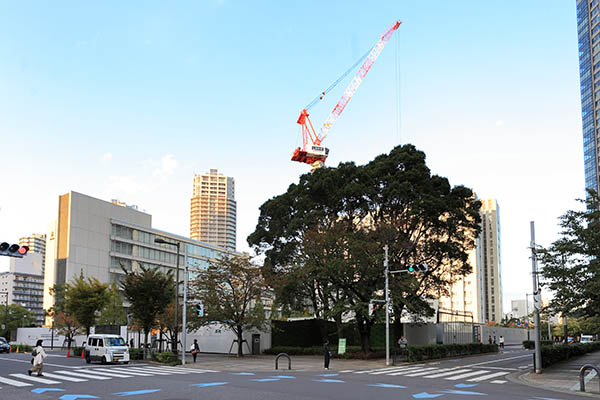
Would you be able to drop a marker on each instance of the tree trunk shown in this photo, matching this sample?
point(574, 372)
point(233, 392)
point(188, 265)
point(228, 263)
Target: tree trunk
point(339, 326)
point(566, 330)
point(364, 328)
point(323, 329)
point(240, 352)
point(145, 343)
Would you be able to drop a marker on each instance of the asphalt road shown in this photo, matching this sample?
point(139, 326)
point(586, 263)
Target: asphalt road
point(71, 378)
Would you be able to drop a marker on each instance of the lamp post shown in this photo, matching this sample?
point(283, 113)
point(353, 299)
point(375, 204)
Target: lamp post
point(174, 339)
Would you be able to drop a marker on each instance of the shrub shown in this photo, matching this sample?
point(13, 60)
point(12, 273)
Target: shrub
point(166, 357)
point(23, 348)
point(530, 344)
point(562, 352)
point(433, 351)
point(136, 354)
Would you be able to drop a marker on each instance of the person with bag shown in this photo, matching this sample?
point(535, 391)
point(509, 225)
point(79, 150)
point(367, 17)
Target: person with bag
point(39, 355)
point(195, 349)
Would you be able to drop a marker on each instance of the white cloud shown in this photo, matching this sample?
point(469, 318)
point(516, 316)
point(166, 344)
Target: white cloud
point(499, 122)
point(106, 157)
point(168, 165)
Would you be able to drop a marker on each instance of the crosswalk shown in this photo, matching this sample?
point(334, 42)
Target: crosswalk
point(55, 377)
point(429, 372)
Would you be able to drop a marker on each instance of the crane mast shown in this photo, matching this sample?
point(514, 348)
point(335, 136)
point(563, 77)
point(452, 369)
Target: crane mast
point(312, 151)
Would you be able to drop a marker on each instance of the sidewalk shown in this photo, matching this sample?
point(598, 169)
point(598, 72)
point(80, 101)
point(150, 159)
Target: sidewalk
point(267, 363)
point(564, 376)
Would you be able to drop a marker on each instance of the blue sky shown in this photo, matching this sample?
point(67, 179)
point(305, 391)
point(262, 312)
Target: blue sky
point(129, 99)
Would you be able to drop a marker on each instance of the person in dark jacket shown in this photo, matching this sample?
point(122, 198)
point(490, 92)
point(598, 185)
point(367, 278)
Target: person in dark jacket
point(195, 349)
point(326, 353)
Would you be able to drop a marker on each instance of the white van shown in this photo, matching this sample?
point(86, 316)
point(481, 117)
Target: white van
point(106, 349)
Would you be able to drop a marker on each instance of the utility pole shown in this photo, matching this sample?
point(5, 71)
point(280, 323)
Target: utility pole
point(387, 308)
point(527, 313)
point(184, 316)
point(536, 304)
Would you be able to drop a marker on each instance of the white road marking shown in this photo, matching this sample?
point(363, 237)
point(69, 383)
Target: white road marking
point(64, 378)
point(435, 370)
point(490, 376)
point(13, 382)
point(124, 370)
point(150, 371)
point(29, 362)
point(160, 369)
point(418, 369)
point(497, 361)
point(467, 375)
point(346, 371)
point(456, 371)
point(387, 371)
point(498, 382)
point(82, 375)
point(368, 371)
point(123, 375)
point(35, 379)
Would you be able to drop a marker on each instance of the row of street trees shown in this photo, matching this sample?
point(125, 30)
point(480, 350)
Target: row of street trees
point(322, 240)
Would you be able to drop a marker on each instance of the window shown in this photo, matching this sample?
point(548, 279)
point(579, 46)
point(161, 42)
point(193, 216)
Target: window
point(100, 343)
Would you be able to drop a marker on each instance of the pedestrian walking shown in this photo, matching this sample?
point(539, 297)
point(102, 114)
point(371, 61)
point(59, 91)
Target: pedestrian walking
point(39, 355)
point(489, 339)
point(494, 339)
point(501, 342)
point(131, 343)
point(326, 353)
point(195, 349)
point(402, 344)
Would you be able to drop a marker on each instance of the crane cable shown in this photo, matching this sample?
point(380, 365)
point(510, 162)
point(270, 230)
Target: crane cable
point(334, 84)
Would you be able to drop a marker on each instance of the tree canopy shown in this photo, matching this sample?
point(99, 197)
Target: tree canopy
point(323, 239)
point(84, 298)
point(231, 290)
point(571, 264)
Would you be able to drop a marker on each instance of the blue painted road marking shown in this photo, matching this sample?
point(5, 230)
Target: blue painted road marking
point(42, 390)
point(76, 396)
point(243, 373)
point(284, 377)
point(464, 392)
point(387, 385)
point(210, 384)
point(265, 380)
point(425, 395)
point(136, 392)
point(464, 385)
point(329, 380)
point(328, 375)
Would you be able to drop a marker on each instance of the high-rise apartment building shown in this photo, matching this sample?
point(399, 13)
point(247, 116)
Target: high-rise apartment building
point(479, 294)
point(213, 211)
point(489, 264)
point(23, 284)
point(588, 31)
point(37, 244)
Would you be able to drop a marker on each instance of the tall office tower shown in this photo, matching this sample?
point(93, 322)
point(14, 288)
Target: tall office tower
point(213, 211)
point(37, 244)
point(489, 267)
point(588, 31)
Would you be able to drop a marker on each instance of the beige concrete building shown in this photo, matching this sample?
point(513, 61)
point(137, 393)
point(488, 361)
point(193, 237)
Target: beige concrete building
point(37, 244)
point(480, 293)
point(213, 211)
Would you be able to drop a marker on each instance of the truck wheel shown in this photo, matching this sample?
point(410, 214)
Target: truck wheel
point(103, 360)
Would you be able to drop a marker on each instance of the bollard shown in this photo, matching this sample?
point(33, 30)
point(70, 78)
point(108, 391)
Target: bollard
point(283, 355)
point(582, 371)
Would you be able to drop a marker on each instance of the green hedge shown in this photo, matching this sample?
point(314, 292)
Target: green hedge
point(530, 344)
point(415, 353)
point(562, 352)
point(434, 351)
point(136, 354)
point(166, 357)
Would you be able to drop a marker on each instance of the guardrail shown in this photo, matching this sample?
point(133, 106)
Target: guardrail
point(283, 355)
point(582, 371)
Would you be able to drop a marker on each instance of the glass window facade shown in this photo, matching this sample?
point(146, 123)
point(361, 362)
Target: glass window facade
point(588, 31)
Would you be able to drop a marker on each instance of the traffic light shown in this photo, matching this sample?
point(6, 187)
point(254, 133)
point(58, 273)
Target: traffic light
point(13, 250)
point(199, 309)
point(418, 268)
point(371, 309)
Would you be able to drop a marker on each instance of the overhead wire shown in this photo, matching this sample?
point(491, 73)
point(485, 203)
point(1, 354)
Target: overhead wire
point(334, 84)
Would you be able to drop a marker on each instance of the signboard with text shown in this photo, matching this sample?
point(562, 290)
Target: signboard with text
point(342, 346)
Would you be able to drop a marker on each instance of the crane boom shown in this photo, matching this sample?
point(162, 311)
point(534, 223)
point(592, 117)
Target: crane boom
point(315, 153)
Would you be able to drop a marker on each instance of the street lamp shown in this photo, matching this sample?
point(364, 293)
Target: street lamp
point(174, 339)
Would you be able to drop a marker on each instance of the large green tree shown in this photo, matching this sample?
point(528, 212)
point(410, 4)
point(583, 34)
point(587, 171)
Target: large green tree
point(84, 298)
point(571, 264)
point(231, 289)
point(323, 239)
point(149, 291)
point(113, 312)
point(15, 316)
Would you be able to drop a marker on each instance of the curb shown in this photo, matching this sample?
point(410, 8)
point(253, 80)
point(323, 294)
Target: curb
point(519, 378)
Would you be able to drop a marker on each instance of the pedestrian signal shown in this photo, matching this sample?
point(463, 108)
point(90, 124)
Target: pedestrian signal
point(418, 268)
point(371, 309)
point(13, 250)
point(199, 309)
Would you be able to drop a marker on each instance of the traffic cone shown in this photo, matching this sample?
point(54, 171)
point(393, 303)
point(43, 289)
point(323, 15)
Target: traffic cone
point(68, 353)
point(10, 349)
point(82, 353)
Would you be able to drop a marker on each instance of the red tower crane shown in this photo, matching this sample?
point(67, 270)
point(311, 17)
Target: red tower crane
point(312, 151)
